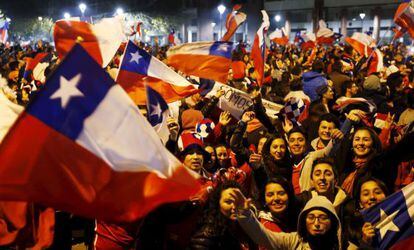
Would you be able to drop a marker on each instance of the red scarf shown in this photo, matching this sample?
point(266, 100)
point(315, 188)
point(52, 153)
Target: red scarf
point(348, 183)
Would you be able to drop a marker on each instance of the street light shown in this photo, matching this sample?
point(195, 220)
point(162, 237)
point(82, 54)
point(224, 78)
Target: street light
point(66, 15)
point(119, 11)
point(362, 16)
point(277, 18)
point(82, 8)
point(40, 18)
point(221, 8)
point(213, 24)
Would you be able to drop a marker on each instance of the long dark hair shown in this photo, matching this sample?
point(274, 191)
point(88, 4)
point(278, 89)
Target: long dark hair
point(273, 168)
point(290, 216)
point(212, 214)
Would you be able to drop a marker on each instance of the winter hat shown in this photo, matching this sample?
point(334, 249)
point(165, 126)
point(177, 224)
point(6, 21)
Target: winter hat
point(190, 141)
point(190, 117)
point(372, 82)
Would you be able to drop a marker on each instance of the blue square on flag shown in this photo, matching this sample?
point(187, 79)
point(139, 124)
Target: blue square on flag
point(156, 106)
point(221, 49)
point(73, 93)
point(393, 220)
point(136, 60)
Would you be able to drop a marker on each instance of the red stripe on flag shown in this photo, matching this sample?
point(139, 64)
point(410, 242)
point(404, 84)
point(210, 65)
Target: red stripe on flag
point(204, 66)
point(134, 85)
point(43, 166)
point(66, 33)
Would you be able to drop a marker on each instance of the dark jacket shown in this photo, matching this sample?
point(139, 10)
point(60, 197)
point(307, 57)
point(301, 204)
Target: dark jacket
point(338, 80)
point(233, 238)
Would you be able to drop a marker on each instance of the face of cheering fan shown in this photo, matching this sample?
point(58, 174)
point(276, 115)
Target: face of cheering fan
point(278, 149)
point(276, 198)
point(371, 194)
point(323, 178)
point(362, 143)
point(325, 129)
point(317, 222)
point(297, 144)
point(194, 160)
point(227, 204)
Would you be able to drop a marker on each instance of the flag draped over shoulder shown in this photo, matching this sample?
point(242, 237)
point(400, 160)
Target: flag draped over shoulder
point(209, 60)
point(139, 68)
point(393, 220)
point(97, 155)
point(404, 17)
point(233, 21)
point(259, 50)
point(100, 40)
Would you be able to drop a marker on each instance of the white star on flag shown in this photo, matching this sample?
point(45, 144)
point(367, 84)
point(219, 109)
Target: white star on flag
point(67, 90)
point(157, 110)
point(386, 223)
point(135, 57)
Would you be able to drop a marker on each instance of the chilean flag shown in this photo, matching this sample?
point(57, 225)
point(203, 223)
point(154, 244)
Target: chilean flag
point(35, 67)
point(139, 68)
point(324, 34)
point(361, 42)
point(309, 41)
point(100, 40)
point(4, 28)
point(375, 61)
point(157, 113)
point(210, 60)
point(393, 220)
point(259, 50)
point(233, 21)
point(404, 17)
point(279, 37)
point(82, 146)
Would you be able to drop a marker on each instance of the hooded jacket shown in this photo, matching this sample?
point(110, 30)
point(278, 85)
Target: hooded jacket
point(272, 240)
point(311, 81)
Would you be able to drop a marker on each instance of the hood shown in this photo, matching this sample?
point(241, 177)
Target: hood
point(318, 202)
point(310, 75)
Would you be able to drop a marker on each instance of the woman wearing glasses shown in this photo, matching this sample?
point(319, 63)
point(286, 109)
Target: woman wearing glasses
point(318, 226)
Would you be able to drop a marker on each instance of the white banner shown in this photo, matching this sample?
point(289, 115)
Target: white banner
point(236, 101)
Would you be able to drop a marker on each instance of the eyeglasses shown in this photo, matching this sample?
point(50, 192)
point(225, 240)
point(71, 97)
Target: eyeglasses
point(322, 218)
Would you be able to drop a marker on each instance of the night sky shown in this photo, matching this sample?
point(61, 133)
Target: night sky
point(55, 8)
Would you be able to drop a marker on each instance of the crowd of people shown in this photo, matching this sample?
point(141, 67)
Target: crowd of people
point(268, 182)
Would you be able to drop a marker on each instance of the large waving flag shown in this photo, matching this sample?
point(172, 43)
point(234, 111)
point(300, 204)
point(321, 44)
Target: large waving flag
point(393, 220)
point(82, 146)
point(361, 42)
point(139, 68)
point(210, 60)
point(157, 113)
point(100, 40)
point(404, 17)
point(35, 67)
point(259, 50)
point(279, 37)
point(324, 35)
point(233, 21)
point(309, 41)
point(4, 29)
